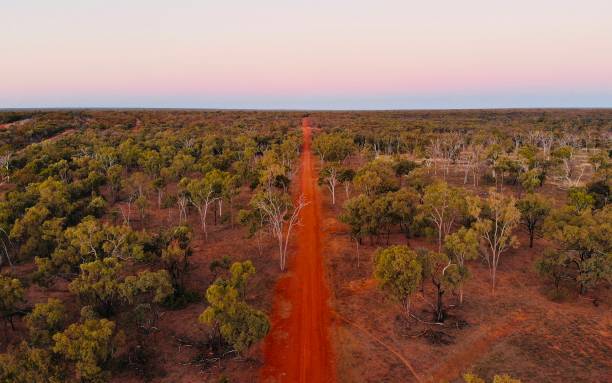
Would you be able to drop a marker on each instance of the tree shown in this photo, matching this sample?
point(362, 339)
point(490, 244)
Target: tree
point(582, 242)
point(376, 177)
point(333, 147)
point(281, 215)
point(357, 213)
point(5, 167)
point(398, 272)
point(240, 272)
point(149, 286)
point(443, 205)
point(37, 231)
point(151, 162)
point(114, 177)
point(92, 240)
point(534, 209)
point(137, 186)
point(570, 169)
point(553, 265)
point(531, 179)
point(462, 246)
point(239, 324)
point(496, 218)
point(403, 167)
point(11, 295)
point(45, 320)
point(580, 199)
point(600, 190)
point(204, 192)
point(444, 275)
point(25, 364)
point(98, 284)
point(345, 177)
point(329, 176)
point(175, 258)
point(90, 346)
point(404, 207)
point(602, 165)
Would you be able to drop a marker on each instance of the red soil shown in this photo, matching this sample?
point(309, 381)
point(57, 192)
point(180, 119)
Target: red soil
point(298, 349)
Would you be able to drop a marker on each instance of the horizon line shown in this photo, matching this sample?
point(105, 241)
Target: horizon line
point(212, 109)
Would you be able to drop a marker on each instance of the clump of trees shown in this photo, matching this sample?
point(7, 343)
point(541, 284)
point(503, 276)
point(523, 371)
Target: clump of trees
point(581, 251)
point(398, 272)
point(236, 321)
point(97, 206)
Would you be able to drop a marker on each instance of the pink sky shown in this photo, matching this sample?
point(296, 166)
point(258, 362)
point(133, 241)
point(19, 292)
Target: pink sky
point(277, 53)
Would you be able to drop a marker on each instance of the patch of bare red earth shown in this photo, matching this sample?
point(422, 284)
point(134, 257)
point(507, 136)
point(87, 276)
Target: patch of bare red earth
point(298, 348)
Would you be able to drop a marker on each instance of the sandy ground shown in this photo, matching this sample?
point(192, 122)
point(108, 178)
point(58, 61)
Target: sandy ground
point(520, 330)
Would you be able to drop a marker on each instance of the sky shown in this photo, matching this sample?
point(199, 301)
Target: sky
point(284, 54)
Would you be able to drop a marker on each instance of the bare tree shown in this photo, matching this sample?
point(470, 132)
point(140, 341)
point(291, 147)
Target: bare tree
point(5, 170)
point(571, 170)
point(281, 216)
point(496, 218)
point(434, 151)
point(6, 243)
point(329, 176)
point(181, 202)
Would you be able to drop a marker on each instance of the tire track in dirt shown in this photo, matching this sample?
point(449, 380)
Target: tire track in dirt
point(388, 347)
point(462, 360)
point(298, 348)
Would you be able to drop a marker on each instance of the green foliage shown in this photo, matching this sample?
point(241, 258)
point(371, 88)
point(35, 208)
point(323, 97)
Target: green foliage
point(175, 260)
point(37, 231)
point(238, 323)
point(496, 218)
point(45, 320)
point(398, 272)
point(403, 167)
point(580, 199)
point(24, 364)
point(91, 240)
point(531, 180)
point(583, 244)
point(356, 214)
point(376, 177)
point(553, 266)
point(90, 346)
point(600, 190)
point(462, 246)
point(11, 295)
point(443, 206)
point(240, 272)
point(444, 275)
point(371, 215)
point(333, 147)
point(158, 283)
point(99, 284)
point(534, 209)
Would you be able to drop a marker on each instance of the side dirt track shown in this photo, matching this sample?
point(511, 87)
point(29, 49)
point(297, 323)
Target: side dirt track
point(298, 348)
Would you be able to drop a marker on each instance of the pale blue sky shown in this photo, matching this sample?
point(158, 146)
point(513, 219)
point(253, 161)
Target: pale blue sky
point(306, 54)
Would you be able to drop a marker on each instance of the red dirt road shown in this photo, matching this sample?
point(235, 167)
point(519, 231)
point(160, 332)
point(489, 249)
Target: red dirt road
point(298, 349)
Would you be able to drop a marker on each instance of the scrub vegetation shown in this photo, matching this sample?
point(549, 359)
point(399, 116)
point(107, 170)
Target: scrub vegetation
point(145, 245)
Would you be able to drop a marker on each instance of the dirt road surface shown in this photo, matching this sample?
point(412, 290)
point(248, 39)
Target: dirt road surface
point(298, 348)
